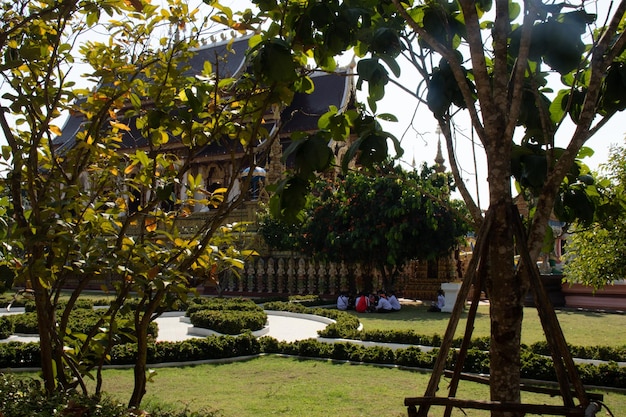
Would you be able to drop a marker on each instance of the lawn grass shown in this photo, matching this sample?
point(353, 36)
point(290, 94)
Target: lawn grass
point(580, 328)
point(278, 386)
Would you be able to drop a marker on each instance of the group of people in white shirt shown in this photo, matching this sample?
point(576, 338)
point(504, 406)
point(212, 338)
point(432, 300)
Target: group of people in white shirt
point(380, 302)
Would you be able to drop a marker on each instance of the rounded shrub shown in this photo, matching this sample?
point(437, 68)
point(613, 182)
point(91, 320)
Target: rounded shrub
point(229, 322)
point(25, 323)
point(6, 327)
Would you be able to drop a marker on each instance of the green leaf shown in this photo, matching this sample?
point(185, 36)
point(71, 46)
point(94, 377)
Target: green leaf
point(514, 10)
point(388, 117)
point(558, 106)
point(313, 155)
point(392, 64)
point(194, 103)
point(274, 62)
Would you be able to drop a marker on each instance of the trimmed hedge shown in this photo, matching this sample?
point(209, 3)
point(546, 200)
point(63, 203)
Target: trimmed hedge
point(16, 355)
point(229, 316)
point(82, 303)
point(228, 321)
point(81, 321)
point(6, 327)
point(211, 347)
point(221, 304)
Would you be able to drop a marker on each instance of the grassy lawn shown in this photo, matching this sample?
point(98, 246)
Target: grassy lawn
point(276, 386)
point(580, 328)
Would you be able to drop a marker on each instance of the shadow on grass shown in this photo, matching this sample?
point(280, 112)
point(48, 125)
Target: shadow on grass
point(410, 313)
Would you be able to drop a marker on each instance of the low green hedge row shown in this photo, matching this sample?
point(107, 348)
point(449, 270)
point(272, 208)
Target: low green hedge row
point(82, 303)
point(228, 321)
point(534, 366)
point(211, 347)
point(603, 353)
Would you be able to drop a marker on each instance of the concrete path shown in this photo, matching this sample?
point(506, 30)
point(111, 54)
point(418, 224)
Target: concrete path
point(283, 326)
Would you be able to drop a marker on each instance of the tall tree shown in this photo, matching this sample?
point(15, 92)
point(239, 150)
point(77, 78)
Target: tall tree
point(499, 66)
point(383, 221)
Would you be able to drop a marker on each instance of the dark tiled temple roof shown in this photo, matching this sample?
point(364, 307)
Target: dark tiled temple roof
point(229, 59)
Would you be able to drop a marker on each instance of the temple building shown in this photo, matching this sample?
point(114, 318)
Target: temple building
point(273, 273)
point(215, 162)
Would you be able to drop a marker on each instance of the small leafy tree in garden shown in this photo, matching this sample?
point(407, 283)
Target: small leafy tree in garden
point(86, 208)
point(382, 221)
point(520, 71)
point(595, 249)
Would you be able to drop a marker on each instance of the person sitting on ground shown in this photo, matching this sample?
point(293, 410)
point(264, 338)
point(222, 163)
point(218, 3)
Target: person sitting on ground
point(395, 303)
point(383, 305)
point(362, 303)
point(342, 302)
point(441, 301)
point(373, 302)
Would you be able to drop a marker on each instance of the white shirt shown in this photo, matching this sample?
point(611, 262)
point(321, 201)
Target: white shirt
point(395, 304)
point(441, 301)
point(342, 302)
point(383, 304)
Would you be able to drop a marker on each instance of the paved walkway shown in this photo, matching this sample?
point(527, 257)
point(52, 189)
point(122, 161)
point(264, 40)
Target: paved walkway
point(282, 326)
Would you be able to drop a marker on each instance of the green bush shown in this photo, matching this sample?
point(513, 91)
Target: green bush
point(25, 323)
point(603, 353)
point(285, 306)
point(229, 322)
point(6, 327)
point(221, 304)
point(309, 300)
point(16, 355)
point(413, 357)
point(212, 347)
point(82, 303)
point(81, 321)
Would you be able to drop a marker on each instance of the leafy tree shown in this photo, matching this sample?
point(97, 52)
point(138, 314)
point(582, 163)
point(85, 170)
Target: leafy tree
point(85, 209)
point(382, 221)
point(595, 252)
point(500, 68)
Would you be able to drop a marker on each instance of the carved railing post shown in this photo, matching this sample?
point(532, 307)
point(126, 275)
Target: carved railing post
point(280, 279)
point(343, 277)
point(301, 275)
point(251, 275)
point(321, 282)
point(270, 275)
point(311, 274)
point(291, 276)
point(260, 273)
point(332, 278)
point(358, 278)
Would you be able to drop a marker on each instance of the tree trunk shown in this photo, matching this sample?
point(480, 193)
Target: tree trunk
point(143, 315)
point(45, 324)
point(140, 368)
point(506, 293)
point(506, 312)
